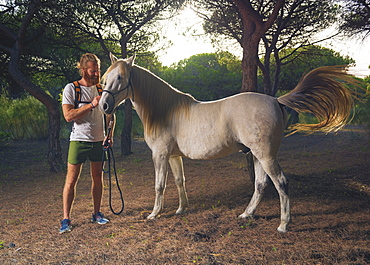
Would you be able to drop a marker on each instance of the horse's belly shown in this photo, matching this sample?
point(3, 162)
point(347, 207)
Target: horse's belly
point(206, 149)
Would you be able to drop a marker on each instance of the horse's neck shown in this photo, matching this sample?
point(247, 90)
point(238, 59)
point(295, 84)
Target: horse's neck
point(148, 86)
point(138, 109)
point(155, 101)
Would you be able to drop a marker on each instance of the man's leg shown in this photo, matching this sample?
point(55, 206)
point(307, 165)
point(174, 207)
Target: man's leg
point(70, 187)
point(97, 184)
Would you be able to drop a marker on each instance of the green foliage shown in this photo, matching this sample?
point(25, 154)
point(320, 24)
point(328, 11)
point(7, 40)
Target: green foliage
point(206, 76)
point(137, 126)
point(24, 118)
point(4, 137)
point(362, 108)
point(303, 60)
point(355, 18)
point(362, 114)
point(150, 61)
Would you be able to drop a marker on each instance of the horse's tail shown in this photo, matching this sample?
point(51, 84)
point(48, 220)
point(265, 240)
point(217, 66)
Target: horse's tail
point(323, 93)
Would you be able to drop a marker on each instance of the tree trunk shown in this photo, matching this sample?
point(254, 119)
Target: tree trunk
point(254, 27)
point(249, 66)
point(52, 105)
point(127, 127)
point(54, 153)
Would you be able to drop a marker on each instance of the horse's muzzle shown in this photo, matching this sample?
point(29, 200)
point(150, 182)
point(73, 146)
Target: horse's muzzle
point(106, 106)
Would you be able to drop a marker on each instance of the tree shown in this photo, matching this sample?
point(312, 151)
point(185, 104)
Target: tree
point(252, 23)
point(295, 23)
point(254, 26)
point(305, 60)
point(293, 29)
point(356, 17)
point(206, 76)
point(15, 26)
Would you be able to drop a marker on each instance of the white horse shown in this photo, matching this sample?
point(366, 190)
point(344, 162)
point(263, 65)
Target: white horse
point(176, 125)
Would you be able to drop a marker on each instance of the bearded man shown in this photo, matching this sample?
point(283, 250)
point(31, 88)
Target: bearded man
point(86, 138)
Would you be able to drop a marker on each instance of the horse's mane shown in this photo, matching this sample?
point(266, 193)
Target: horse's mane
point(158, 100)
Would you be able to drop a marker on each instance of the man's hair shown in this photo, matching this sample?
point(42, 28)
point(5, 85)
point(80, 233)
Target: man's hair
point(85, 58)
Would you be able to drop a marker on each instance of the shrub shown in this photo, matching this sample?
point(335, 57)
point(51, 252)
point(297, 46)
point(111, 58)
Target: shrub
point(362, 114)
point(24, 118)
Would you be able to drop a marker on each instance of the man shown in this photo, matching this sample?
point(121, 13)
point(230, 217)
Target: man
point(86, 137)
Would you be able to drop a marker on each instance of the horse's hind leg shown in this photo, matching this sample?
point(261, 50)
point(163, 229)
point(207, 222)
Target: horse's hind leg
point(277, 176)
point(260, 183)
point(178, 173)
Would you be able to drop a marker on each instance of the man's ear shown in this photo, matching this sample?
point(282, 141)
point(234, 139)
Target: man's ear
point(113, 58)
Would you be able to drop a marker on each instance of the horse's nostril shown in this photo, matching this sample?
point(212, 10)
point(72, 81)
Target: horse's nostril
point(106, 106)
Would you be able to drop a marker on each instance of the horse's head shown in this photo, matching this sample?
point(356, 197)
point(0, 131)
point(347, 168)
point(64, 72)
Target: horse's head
point(118, 86)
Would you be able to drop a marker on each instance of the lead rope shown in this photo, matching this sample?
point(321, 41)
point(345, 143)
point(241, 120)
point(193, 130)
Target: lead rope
point(110, 158)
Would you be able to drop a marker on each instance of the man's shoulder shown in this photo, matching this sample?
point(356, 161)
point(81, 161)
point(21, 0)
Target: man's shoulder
point(69, 86)
point(68, 94)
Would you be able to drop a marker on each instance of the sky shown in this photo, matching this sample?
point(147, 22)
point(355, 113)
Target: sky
point(185, 45)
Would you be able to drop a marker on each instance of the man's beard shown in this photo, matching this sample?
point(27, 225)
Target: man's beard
point(92, 78)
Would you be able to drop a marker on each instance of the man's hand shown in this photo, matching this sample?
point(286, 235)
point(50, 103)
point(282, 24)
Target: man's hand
point(95, 101)
point(107, 142)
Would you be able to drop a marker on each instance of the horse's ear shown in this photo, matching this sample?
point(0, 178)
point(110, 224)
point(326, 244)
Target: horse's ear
point(130, 61)
point(113, 58)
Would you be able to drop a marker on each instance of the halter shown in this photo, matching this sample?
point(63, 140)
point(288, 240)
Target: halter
point(123, 89)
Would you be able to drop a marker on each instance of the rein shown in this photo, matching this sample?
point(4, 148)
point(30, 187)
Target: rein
point(119, 91)
point(110, 158)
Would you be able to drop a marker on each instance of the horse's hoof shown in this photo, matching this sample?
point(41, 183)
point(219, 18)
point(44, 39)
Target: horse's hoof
point(282, 228)
point(180, 211)
point(245, 216)
point(152, 217)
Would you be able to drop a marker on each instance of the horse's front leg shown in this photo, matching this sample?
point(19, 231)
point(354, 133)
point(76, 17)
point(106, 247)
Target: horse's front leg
point(161, 172)
point(178, 173)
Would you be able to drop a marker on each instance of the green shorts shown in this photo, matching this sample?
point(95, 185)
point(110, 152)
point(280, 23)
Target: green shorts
point(79, 152)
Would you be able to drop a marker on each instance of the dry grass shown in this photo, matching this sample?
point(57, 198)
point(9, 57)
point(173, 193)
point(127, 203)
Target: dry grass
point(329, 187)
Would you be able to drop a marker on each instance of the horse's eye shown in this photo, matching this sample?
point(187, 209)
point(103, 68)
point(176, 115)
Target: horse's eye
point(119, 77)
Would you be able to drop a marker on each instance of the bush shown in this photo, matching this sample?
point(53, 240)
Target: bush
point(4, 138)
point(362, 114)
point(24, 118)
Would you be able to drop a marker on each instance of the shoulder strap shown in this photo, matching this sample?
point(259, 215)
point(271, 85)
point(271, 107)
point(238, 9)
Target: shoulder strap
point(100, 89)
point(77, 93)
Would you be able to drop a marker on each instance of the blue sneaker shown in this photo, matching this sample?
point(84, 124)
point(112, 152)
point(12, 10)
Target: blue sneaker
point(99, 218)
point(65, 226)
